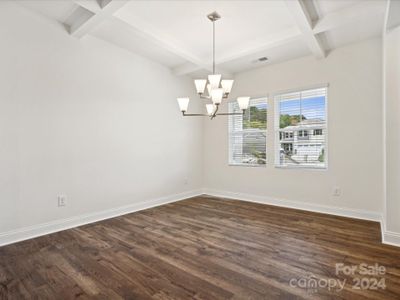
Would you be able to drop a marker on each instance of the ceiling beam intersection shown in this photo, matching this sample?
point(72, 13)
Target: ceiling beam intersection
point(304, 22)
point(90, 13)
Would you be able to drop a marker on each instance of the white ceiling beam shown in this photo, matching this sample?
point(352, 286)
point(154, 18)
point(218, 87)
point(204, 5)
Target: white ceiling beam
point(98, 12)
point(328, 22)
point(90, 5)
point(303, 20)
point(162, 41)
point(152, 35)
point(279, 39)
point(348, 15)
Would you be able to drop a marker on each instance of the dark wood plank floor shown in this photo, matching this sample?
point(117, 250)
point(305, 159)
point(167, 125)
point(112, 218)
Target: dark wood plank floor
point(200, 248)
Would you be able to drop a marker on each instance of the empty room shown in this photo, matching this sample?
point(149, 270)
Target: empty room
point(205, 149)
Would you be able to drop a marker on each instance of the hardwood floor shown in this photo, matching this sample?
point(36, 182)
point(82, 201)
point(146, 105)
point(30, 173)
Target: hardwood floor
point(202, 248)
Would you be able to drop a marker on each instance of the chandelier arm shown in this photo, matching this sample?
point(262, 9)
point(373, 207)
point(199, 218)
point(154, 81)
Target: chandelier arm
point(193, 115)
point(215, 112)
point(226, 96)
point(231, 114)
point(214, 115)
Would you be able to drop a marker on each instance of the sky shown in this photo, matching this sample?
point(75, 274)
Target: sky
point(311, 108)
point(261, 105)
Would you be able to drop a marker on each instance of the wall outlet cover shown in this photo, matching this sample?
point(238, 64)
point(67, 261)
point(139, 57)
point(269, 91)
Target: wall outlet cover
point(61, 200)
point(336, 191)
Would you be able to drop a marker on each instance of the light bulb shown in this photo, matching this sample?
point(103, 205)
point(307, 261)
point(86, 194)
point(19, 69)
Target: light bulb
point(183, 104)
point(216, 95)
point(200, 85)
point(227, 85)
point(243, 102)
point(210, 109)
point(209, 89)
point(214, 80)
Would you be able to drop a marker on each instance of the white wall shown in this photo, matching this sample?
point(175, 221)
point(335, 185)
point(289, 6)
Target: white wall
point(355, 133)
point(392, 122)
point(88, 120)
point(83, 118)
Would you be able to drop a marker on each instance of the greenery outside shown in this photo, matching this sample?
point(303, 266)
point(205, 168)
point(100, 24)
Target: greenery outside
point(290, 120)
point(321, 157)
point(255, 118)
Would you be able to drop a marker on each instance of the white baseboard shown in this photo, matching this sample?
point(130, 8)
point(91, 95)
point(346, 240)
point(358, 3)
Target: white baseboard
point(388, 237)
point(383, 228)
point(391, 238)
point(338, 211)
point(59, 225)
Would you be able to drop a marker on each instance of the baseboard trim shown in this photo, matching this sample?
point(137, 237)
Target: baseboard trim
point(25, 233)
point(383, 228)
point(331, 210)
point(30, 232)
point(391, 238)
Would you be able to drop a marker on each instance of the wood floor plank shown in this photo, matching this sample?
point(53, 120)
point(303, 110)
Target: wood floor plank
point(201, 248)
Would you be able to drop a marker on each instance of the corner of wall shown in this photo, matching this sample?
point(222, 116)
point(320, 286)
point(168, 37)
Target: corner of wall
point(388, 237)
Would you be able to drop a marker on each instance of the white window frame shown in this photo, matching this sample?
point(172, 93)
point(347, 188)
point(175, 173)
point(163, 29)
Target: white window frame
point(276, 109)
point(231, 164)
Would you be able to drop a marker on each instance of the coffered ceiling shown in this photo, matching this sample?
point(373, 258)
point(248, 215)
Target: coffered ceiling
point(178, 35)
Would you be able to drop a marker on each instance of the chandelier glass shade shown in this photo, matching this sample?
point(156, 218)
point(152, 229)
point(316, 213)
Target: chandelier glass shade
point(213, 89)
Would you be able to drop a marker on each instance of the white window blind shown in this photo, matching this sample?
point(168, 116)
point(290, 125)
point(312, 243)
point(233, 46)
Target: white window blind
point(247, 134)
point(301, 128)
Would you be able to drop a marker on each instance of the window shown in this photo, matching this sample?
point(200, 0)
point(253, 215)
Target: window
point(287, 147)
point(317, 131)
point(303, 133)
point(247, 134)
point(304, 113)
point(287, 135)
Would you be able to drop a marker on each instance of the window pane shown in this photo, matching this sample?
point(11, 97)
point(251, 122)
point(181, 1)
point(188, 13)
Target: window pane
point(248, 147)
point(247, 134)
point(302, 129)
point(255, 116)
point(313, 108)
point(289, 113)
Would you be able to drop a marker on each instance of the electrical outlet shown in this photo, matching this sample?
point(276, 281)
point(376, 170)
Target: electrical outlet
point(336, 191)
point(186, 181)
point(62, 200)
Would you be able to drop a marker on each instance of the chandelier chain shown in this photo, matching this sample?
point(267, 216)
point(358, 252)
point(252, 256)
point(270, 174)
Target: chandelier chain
point(213, 47)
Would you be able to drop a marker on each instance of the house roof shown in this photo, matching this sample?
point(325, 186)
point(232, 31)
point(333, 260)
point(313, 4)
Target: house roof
point(306, 124)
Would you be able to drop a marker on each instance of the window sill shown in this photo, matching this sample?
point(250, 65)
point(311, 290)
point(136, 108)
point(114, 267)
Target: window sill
point(248, 165)
point(312, 168)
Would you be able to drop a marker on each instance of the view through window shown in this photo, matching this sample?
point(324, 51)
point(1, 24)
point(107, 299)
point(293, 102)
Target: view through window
point(247, 134)
point(301, 128)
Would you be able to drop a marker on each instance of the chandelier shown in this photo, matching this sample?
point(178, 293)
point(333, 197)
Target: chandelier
point(217, 89)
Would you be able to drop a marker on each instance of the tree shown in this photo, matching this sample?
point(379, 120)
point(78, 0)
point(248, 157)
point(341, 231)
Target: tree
point(321, 157)
point(290, 120)
point(255, 118)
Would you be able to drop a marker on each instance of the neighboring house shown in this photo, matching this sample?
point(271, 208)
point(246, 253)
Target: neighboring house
point(303, 143)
